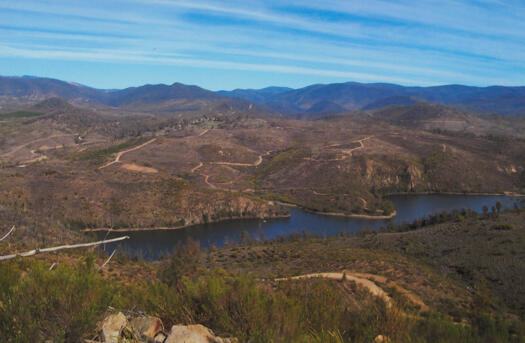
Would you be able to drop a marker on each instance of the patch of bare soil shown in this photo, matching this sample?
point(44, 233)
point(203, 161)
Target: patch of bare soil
point(136, 167)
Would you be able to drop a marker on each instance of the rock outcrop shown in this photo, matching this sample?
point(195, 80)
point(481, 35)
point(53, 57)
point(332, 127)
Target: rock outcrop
point(141, 328)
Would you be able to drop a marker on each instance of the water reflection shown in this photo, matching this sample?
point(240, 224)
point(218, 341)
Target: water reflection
point(152, 244)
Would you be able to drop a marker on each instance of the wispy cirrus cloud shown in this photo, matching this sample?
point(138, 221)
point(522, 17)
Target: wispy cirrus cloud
point(137, 56)
point(426, 42)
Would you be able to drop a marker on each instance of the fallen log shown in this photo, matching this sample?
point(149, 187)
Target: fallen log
point(61, 247)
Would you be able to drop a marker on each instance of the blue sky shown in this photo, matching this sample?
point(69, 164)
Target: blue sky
point(254, 44)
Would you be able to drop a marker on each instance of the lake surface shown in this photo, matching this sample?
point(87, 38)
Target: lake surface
point(152, 244)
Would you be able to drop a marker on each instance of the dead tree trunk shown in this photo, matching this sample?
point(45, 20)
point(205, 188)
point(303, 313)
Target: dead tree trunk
point(73, 246)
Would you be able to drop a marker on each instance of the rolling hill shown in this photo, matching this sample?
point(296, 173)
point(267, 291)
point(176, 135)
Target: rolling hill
point(428, 116)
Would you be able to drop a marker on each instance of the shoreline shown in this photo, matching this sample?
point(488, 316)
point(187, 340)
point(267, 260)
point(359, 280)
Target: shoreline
point(509, 194)
point(353, 215)
point(161, 228)
point(337, 214)
point(309, 210)
point(382, 217)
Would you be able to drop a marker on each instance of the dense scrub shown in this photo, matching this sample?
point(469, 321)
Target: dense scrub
point(20, 114)
point(98, 155)
point(478, 249)
point(65, 304)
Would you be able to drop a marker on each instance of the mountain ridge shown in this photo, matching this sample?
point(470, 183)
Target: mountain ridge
point(316, 99)
point(21, 92)
point(363, 96)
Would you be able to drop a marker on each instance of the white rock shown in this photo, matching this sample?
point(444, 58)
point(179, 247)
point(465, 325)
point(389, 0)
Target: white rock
point(112, 326)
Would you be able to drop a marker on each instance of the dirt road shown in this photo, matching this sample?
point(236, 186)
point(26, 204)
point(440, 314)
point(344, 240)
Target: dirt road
point(346, 152)
point(194, 169)
point(369, 285)
point(119, 154)
point(368, 281)
point(207, 177)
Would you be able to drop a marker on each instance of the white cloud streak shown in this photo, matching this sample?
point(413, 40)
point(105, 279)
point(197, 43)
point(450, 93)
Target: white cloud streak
point(424, 42)
point(109, 56)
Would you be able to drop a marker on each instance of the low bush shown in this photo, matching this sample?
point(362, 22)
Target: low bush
point(503, 227)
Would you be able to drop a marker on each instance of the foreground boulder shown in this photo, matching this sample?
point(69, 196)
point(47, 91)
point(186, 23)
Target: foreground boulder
point(147, 327)
point(141, 328)
point(112, 327)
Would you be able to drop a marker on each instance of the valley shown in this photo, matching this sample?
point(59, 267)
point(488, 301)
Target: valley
point(379, 212)
point(242, 164)
point(209, 171)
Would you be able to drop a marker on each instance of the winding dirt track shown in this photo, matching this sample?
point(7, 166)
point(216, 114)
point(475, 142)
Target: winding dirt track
point(236, 164)
point(361, 145)
point(347, 152)
point(365, 280)
point(369, 285)
point(38, 158)
point(119, 154)
point(206, 180)
point(194, 169)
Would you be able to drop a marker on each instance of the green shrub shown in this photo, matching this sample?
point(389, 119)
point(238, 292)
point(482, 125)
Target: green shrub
point(62, 304)
point(98, 155)
point(20, 114)
point(504, 227)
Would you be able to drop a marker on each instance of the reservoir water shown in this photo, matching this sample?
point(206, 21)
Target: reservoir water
point(151, 244)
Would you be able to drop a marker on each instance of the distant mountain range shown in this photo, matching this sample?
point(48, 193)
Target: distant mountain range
point(23, 91)
point(312, 101)
point(261, 96)
point(352, 96)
